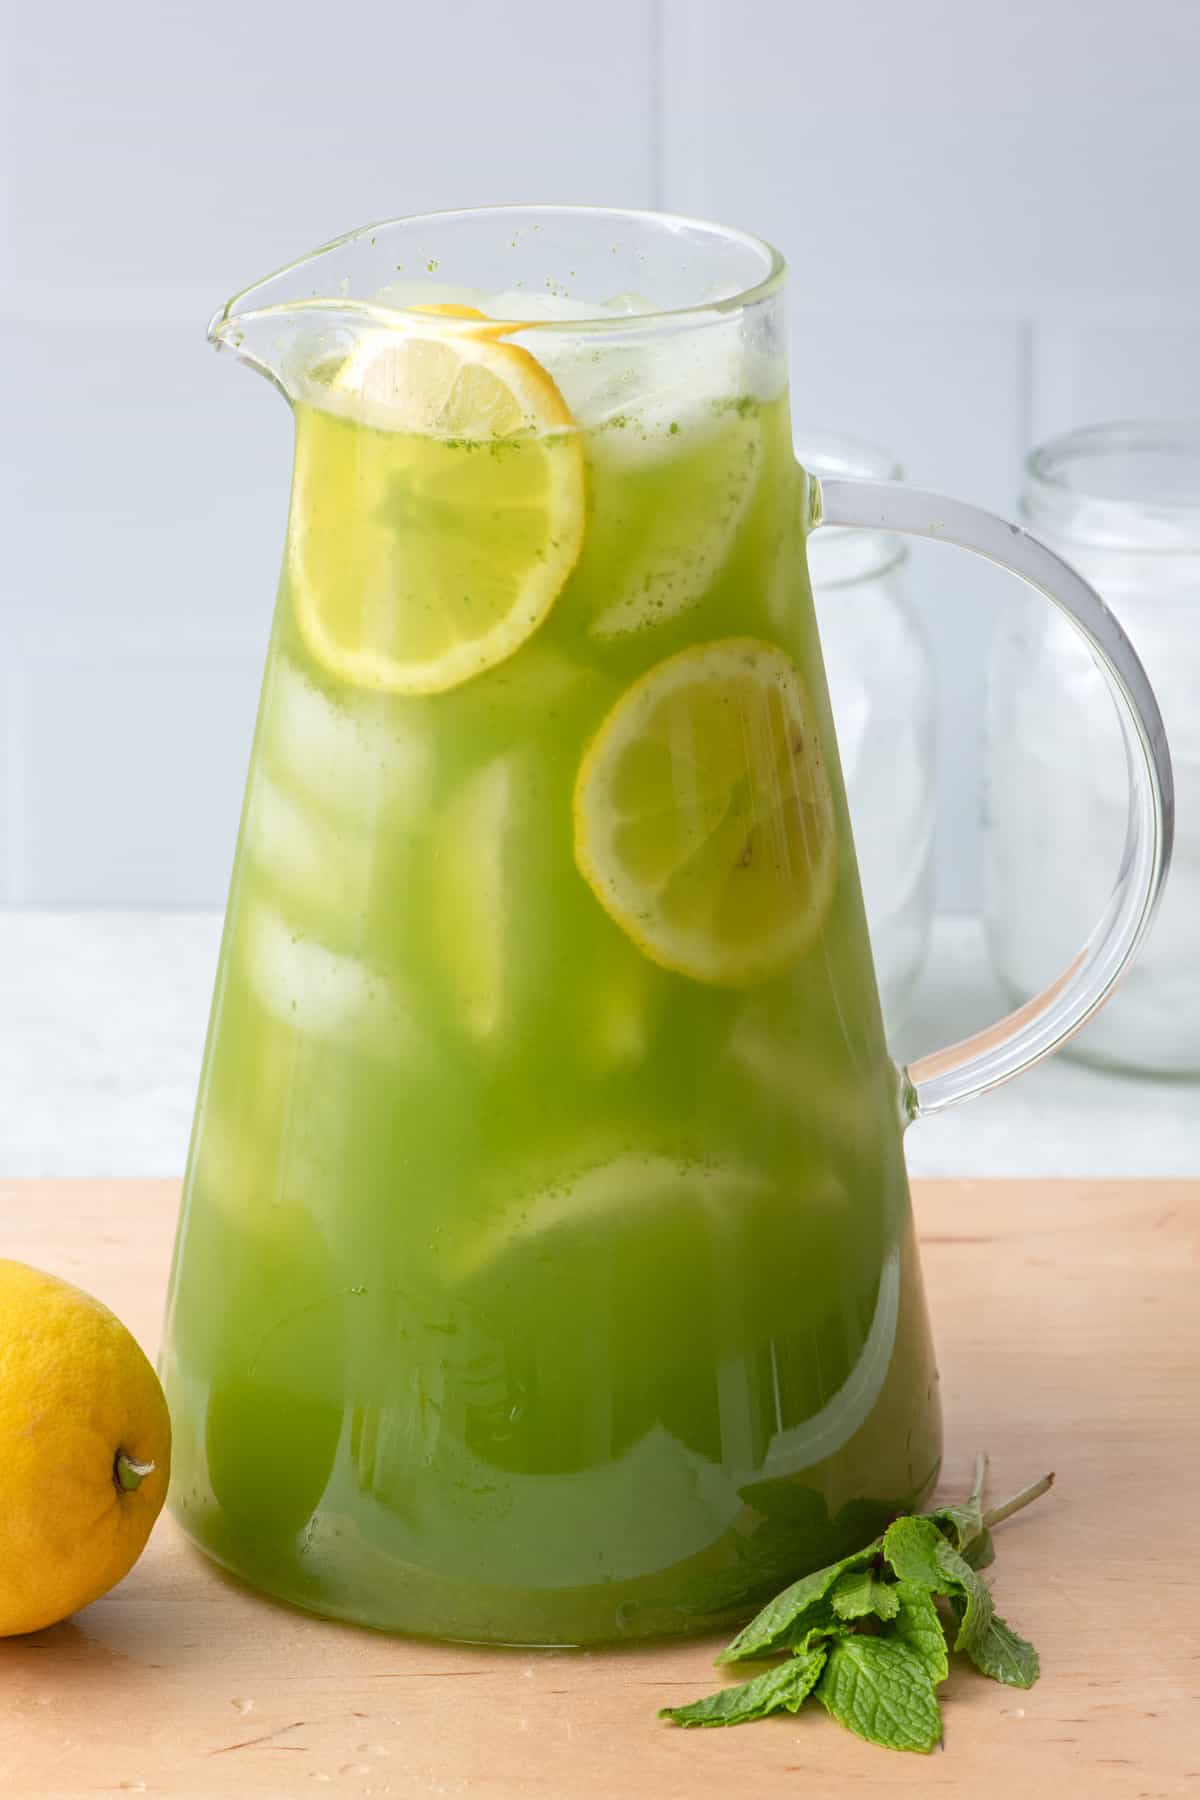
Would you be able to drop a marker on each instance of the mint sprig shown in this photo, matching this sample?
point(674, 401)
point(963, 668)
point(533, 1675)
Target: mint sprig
point(785, 1619)
point(880, 1689)
point(866, 1637)
point(919, 1626)
point(785, 1687)
point(1003, 1654)
point(860, 1593)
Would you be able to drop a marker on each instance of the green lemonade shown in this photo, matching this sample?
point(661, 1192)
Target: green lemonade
point(545, 1273)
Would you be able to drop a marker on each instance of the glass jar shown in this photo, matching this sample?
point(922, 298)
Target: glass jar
point(1122, 503)
point(883, 689)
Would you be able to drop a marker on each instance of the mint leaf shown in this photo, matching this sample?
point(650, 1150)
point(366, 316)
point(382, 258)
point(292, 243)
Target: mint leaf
point(786, 1687)
point(885, 1604)
point(919, 1627)
point(881, 1690)
point(960, 1581)
point(1002, 1653)
point(980, 1552)
point(920, 1554)
point(962, 1520)
point(818, 1635)
point(965, 1528)
point(911, 1546)
point(783, 1620)
point(859, 1592)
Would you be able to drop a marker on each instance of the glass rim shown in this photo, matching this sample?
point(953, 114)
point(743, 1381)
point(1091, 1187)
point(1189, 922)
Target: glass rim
point(700, 311)
point(1129, 519)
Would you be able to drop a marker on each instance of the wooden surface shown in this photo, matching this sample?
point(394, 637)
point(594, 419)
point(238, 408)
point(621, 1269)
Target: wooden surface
point(1068, 1325)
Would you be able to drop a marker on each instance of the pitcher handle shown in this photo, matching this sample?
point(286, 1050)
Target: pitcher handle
point(1015, 1043)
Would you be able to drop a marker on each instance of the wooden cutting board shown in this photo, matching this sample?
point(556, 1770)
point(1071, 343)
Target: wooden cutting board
point(1068, 1323)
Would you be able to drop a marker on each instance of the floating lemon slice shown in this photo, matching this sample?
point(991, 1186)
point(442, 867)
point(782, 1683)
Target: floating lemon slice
point(437, 508)
point(704, 819)
point(631, 1187)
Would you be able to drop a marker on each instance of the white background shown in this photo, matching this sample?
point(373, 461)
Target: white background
point(989, 210)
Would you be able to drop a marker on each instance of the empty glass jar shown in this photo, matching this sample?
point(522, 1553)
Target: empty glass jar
point(883, 689)
point(1122, 503)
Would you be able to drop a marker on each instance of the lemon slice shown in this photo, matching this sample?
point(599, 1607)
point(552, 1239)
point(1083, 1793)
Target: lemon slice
point(632, 1186)
point(704, 818)
point(438, 507)
point(454, 309)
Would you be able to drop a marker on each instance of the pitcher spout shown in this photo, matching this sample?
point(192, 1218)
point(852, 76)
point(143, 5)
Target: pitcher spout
point(285, 341)
point(262, 338)
point(293, 321)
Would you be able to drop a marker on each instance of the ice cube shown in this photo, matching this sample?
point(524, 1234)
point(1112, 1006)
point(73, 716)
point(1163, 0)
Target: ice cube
point(655, 573)
point(421, 292)
point(324, 871)
point(653, 384)
point(352, 760)
point(322, 993)
point(541, 678)
point(484, 874)
point(536, 303)
point(618, 1009)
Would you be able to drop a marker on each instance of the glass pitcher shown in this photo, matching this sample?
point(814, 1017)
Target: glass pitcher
point(545, 1271)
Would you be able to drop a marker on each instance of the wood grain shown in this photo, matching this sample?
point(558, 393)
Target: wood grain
point(1068, 1323)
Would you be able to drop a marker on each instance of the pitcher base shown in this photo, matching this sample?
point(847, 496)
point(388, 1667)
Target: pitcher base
point(708, 1594)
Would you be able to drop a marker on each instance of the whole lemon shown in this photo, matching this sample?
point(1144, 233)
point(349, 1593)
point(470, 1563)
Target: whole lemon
point(85, 1449)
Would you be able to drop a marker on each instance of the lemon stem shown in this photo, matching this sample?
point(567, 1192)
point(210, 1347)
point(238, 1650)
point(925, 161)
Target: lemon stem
point(128, 1473)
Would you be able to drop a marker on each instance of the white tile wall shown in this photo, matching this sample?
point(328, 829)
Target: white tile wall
point(1143, 364)
point(950, 154)
point(989, 213)
point(169, 143)
point(136, 761)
